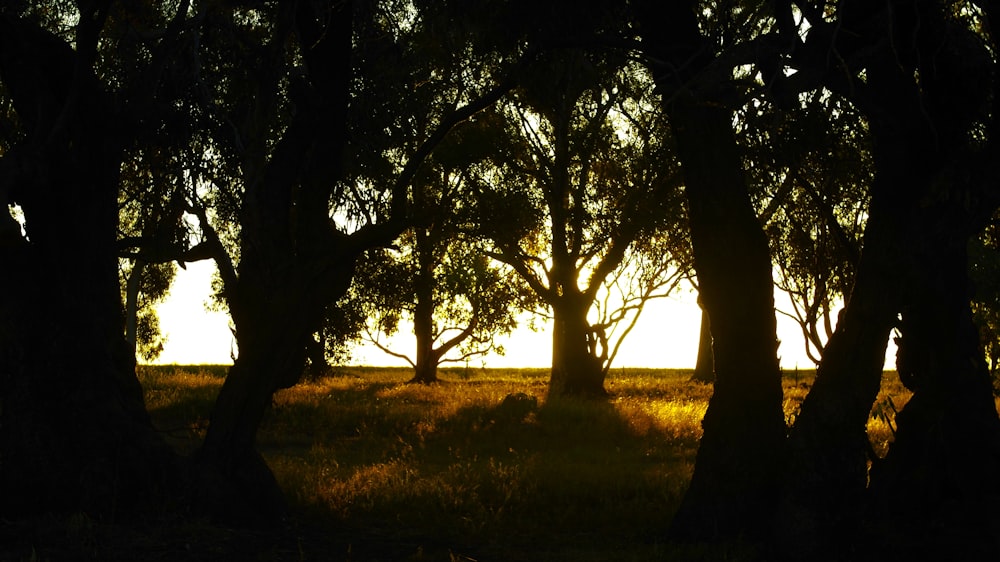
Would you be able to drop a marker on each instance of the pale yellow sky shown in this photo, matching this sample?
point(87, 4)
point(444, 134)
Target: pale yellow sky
point(666, 335)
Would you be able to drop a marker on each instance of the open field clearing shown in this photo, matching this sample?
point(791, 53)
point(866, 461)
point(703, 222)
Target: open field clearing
point(376, 469)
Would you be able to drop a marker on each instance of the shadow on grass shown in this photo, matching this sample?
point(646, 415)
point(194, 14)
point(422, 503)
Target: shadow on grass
point(378, 469)
point(454, 465)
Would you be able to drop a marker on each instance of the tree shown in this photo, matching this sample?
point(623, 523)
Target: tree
point(284, 83)
point(437, 276)
point(455, 297)
point(827, 487)
point(737, 470)
point(75, 433)
point(573, 201)
point(924, 107)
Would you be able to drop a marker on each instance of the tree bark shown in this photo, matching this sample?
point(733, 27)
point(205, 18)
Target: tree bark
point(704, 367)
point(827, 473)
point(911, 239)
point(737, 471)
point(426, 364)
point(935, 490)
point(292, 265)
point(74, 433)
point(736, 480)
point(577, 370)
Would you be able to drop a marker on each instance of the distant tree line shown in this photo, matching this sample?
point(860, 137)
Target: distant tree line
point(349, 165)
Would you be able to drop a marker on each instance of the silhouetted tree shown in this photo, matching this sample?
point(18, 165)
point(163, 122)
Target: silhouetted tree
point(737, 471)
point(574, 203)
point(74, 433)
point(284, 83)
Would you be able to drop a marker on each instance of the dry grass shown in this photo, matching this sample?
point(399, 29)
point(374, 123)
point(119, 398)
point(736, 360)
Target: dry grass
point(378, 469)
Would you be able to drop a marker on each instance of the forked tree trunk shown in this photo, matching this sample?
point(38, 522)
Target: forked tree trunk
point(274, 326)
point(292, 265)
point(935, 494)
point(576, 369)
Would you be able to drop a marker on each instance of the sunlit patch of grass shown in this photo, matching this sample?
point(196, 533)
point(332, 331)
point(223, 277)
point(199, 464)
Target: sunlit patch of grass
point(446, 467)
point(892, 397)
point(448, 461)
point(179, 400)
point(445, 472)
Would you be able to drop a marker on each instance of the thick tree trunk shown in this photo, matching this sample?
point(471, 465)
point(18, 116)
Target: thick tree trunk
point(74, 432)
point(704, 367)
point(425, 371)
point(577, 370)
point(827, 473)
point(737, 471)
point(273, 329)
point(234, 483)
point(935, 494)
point(915, 133)
point(292, 265)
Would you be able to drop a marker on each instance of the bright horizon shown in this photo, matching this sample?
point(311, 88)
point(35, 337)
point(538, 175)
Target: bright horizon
point(666, 335)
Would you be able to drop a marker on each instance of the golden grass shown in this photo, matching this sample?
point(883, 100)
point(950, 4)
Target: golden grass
point(446, 467)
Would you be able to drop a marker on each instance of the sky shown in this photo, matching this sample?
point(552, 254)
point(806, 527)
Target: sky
point(666, 335)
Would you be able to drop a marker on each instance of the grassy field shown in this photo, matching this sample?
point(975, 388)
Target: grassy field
point(377, 469)
point(381, 469)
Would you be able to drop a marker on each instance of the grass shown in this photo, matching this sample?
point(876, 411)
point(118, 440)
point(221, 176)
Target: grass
point(376, 469)
point(446, 467)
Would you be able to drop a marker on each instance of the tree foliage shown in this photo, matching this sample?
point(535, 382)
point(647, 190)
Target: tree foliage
point(574, 203)
point(812, 169)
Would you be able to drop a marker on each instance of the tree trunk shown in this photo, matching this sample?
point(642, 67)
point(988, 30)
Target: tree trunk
point(316, 354)
point(293, 264)
point(704, 367)
point(74, 432)
point(827, 473)
point(272, 330)
point(425, 370)
point(576, 367)
point(132, 285)
point(737, 471)
point(936, 491)
point(912, 116)
point(234, 483)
